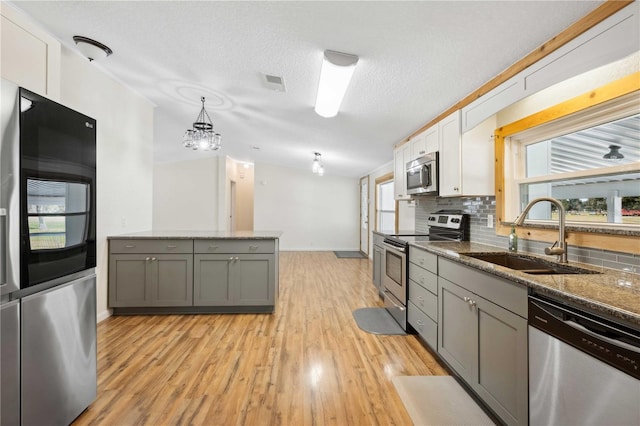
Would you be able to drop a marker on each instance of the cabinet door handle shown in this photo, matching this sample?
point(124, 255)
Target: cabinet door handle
point(236, 259)
point(171, 246)
point(420, 324)
point(253, 247)
point(421, 300)
point(129, 246)
point(422, 152)
point(466, 299)
point(231, 259)
point(212, 247)
point(147, 259)
point(153, 259)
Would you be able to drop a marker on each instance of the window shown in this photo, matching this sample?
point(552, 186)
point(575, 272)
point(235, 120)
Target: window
point(560, 152)
point(576, 169)
point(386, 208)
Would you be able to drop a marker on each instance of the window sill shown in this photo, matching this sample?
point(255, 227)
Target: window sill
point(602, 229)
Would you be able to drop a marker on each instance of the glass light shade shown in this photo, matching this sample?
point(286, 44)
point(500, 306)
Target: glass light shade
point(335, 75)
point(321, 171)
point(316, 165)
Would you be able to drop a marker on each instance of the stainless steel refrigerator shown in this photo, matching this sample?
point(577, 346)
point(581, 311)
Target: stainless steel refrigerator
point(48, 326)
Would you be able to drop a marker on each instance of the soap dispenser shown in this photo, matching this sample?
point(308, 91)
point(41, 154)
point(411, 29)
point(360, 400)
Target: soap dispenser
point(513, 239)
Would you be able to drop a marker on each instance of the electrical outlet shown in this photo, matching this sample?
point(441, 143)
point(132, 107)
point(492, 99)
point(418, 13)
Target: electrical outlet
point(489, 221)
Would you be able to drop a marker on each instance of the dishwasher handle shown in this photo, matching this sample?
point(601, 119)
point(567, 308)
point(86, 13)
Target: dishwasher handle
point(597, 337)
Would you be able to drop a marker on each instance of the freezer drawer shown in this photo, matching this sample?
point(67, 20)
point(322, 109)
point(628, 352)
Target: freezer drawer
point(10, 363)
point(59, 377)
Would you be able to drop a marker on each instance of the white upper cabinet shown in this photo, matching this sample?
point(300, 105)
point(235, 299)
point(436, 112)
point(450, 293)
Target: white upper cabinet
point(612, 39)
point(401, 156)
point(466, 160)
point(450, 183)
point(418, 146)
point(30, 57)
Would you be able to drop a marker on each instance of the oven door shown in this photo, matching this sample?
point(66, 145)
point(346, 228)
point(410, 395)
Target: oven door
point(394, 277)
point(57, 190)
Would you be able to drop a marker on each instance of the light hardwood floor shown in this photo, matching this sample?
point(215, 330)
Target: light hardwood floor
point(306, 364)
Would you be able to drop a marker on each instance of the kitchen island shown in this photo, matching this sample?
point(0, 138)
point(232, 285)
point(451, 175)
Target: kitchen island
point(188, 272)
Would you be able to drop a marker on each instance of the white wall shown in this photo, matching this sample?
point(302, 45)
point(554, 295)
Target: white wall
point(185, 195)
point(313, 212)
point(124, 154)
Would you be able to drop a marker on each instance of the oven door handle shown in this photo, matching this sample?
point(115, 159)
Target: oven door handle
point(393, 248)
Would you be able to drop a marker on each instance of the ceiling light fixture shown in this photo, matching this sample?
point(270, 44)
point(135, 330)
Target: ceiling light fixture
point(316, 166)
point(93, 50)
point(202, 136)
point(613, 153)
point(335, 75)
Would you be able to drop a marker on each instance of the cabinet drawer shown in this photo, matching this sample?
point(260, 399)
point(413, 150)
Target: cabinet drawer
point(151, 246)
point(424, 259)
point(427, 329)
point(423, 277)
point(423, 299)
point(234, 246)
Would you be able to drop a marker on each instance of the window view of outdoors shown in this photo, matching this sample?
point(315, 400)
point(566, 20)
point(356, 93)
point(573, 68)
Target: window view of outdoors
point(594, 172)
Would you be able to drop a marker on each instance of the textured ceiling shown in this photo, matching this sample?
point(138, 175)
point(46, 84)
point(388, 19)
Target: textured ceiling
point(416, 60)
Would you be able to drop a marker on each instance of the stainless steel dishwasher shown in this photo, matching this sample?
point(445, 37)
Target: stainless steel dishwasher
point(583, 369)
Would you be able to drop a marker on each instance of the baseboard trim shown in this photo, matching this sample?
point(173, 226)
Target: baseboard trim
point(103, 315)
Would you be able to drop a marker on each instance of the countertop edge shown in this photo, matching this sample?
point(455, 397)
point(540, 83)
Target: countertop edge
point(530, 282)
point(150, 235)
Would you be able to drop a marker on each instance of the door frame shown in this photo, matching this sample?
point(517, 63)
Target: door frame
point(360, 183)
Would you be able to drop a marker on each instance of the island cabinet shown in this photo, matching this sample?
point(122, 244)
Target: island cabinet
point(483, 336)
point(423, 295)
point(234, 273)
point(150, 273)
point(199, 275)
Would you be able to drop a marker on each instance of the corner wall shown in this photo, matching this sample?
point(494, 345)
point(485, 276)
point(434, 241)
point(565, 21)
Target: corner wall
point(124, 154)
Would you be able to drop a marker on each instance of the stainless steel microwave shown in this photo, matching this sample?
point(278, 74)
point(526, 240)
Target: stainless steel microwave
point(422, 175)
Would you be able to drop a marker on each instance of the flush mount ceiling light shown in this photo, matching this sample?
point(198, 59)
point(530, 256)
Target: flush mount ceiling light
point(613, 153)
point(202, 136)
point(93, 50)
point(335, 75)
point(316, 166)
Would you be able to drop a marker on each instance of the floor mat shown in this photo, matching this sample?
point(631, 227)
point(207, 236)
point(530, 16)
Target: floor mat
point(377, 321)
point(438, 400)
point(350, 255)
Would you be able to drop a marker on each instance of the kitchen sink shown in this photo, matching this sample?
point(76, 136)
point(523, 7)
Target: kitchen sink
point(529, 264)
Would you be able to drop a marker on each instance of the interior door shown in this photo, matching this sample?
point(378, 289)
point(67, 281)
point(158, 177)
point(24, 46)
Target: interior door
point(364, 215)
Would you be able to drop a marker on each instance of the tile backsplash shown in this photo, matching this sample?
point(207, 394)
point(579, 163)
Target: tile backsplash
point(478, 209)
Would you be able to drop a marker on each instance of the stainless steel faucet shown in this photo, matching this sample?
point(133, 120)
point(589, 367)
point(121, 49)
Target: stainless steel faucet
point(561, 250)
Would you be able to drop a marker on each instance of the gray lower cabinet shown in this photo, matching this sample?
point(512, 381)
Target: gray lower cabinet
point(234, 279)
point(183, 276)
point(486, 345)
point(140, 280)
point(378, 253)
point(423, 295)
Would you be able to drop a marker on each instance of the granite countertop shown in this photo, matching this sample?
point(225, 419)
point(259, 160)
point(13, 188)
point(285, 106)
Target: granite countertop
point(199, 235)
point(613, 293)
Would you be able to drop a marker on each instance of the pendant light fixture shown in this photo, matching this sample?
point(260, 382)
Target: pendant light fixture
point(316, 166)
point(201, 135)
point(613, 153)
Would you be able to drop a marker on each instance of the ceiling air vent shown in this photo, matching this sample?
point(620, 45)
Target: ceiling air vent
point(274, 82)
